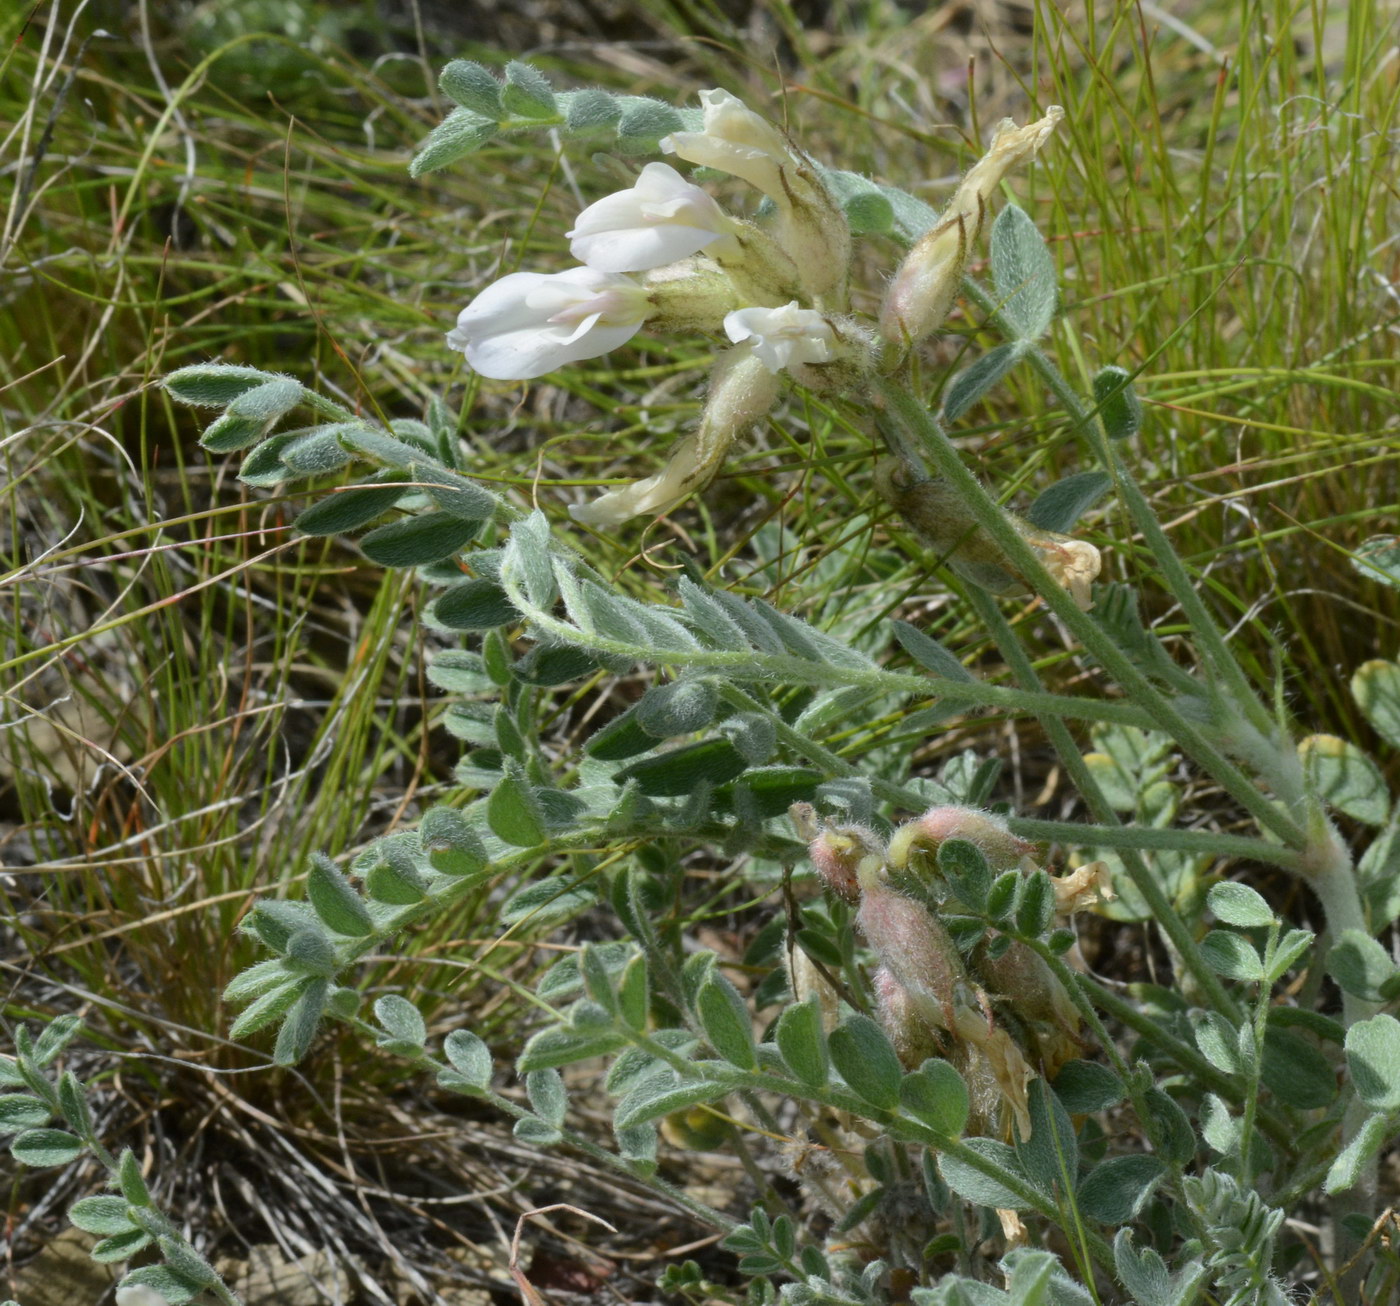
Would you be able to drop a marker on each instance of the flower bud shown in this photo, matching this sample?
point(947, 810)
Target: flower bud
point(804, 979)
point(1030, 987)
point(742, 390)
point(809, 223)
point(988, 833)
point(940, 517)
point(692, 295)
point(927, 281)
point(837, 851)
point(915, 948)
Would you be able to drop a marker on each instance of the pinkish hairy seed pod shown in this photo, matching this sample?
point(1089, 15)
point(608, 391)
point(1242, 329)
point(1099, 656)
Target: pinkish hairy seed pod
point(913, 1037)
point(988, 833)
point(913, 945)
point(842, 854)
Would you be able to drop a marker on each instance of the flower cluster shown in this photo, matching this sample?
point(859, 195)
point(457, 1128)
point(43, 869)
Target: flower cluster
point(665, 254)
point(931, 997)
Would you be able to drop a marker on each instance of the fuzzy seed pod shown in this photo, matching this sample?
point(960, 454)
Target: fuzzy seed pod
point(988, 833)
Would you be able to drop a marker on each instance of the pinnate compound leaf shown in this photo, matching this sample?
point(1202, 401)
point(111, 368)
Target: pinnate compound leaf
point(1060, 506)
point(1348, 1167)
point(1376, 688)
point(1373, 1057)
point(1115, 1190)
point(1023, 272)
point(866, 1060)
point(46, 1147)
point(1345, 777)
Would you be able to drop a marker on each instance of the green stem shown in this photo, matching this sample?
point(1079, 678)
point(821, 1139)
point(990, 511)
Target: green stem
point(1096, 642)
point(1196, 843)
point(1217, 653)
point(1163, 909)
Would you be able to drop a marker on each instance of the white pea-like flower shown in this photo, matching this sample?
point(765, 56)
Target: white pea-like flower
point(780, 337)
point(734, 139)
point(661, 219)
point(530, 323)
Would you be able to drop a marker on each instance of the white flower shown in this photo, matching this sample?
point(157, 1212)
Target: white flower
point(140, 1294)
point(662, 219)
point(734, 139)
point(927, 281)
point(780, 337)
point(529, 323)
